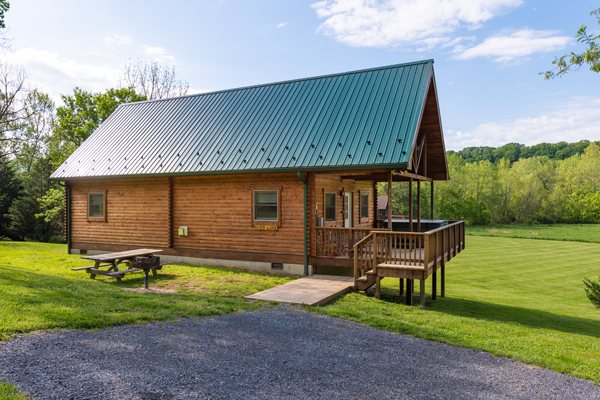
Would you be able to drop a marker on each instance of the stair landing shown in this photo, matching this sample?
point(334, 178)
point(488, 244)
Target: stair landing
point(314, 290)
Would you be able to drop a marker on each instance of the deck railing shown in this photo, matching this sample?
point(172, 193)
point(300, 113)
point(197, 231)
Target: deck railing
point(339, 242)
point(429, 249)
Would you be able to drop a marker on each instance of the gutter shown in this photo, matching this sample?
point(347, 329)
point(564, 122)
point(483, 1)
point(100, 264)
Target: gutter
point(68, 211)
point(305, 227)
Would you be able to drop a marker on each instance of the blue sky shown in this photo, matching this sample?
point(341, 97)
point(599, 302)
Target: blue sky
point(488, 53)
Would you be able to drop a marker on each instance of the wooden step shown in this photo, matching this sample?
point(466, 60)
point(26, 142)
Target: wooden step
point(401, 266)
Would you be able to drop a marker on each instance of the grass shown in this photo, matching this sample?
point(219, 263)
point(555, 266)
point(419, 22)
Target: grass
point(38, 291)
point(522, 299)
point(11, 392)
point(565, 232)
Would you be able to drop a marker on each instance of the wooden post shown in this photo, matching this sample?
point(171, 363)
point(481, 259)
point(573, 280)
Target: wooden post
point(390, 201)
point(434, 285)
point(409, 292)
point(377, 287)
point(443, 288)
point(401, 286)
point(410, 204)
point(418, 206)
point(422, 294)
point(170, 212)
point(431, 199)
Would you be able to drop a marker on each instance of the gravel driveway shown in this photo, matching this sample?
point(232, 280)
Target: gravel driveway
point(271, 354)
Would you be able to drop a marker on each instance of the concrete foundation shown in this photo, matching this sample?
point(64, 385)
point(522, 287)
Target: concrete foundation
point(288, 269)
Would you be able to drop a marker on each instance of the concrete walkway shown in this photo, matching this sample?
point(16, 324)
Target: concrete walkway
point(314, 290)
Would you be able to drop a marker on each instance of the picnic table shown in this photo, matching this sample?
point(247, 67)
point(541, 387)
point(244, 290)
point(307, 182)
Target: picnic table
point(136, 260)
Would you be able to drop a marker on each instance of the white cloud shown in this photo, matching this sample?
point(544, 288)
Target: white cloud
point(575, 120)
point(116, 40)
point(281, 25)
point(58, 75)
point(386, 23)
point(507, 47)
point(158, 54)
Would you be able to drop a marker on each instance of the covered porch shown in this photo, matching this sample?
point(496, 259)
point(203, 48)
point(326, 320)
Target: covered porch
point(415, 251)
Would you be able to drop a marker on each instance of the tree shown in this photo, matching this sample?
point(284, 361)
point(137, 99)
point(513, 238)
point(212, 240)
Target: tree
point(13, 107)
point(35, 131)
point(4, 6)
point(81, 114)
point(10, 188)
point(24, 222)
point(574, 61)
point(152, 81)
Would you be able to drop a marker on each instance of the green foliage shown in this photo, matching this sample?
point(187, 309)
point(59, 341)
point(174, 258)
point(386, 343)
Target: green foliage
point(39, 291)
point(589, 233)
point(11, 189)
point(592, 290)
point(574, 61)
point(537, 189)
point(53, 205)
point(516, 298)
point(515, 151)
point(23, 221)
point(11, 392)
point(81, 114)
point(4, 6)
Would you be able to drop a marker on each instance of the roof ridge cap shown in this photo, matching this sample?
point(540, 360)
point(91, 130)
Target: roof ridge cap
point(430, 60)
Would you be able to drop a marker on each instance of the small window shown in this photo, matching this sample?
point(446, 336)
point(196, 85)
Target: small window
point(265, 205)
point(364, 206)
point(329, 207)
point(96, 205)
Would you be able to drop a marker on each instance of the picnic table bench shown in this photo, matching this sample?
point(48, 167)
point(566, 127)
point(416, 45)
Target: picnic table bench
point(136, 260)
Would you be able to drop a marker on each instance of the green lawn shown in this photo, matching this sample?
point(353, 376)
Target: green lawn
point(39, 291)
point(518, 298)
point(569, 232)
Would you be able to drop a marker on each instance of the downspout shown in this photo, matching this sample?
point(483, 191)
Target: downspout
point(305, 227)
point(68, 211)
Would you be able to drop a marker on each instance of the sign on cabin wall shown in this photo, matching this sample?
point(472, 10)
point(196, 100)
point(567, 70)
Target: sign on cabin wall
point(266, 227)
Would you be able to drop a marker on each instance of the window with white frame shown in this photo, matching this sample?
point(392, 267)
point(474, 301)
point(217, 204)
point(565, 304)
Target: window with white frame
point(266, 205)
point(329, 207)
point(364, 205)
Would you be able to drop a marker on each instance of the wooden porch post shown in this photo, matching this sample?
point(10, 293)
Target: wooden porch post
point(431, 199)
point(409, 292)
point(418, 206)
point(401, 286)
point(410, 204)
point(390, 201)
point(422, 293)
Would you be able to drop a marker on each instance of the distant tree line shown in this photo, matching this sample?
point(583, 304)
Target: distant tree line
point(513, 152)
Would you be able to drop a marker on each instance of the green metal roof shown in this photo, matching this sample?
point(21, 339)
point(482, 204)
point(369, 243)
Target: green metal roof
point(358, 119)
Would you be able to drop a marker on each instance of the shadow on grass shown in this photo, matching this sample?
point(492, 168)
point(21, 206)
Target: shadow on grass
point(502, 313)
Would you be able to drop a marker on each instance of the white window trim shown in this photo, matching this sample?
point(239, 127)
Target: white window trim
point(96, 218)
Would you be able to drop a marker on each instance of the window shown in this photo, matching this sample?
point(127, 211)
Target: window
point(96, 206)
point(329, 207)
point(364, 206)
point(266, 205)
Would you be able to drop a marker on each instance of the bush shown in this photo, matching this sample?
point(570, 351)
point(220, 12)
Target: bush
point(592, 290)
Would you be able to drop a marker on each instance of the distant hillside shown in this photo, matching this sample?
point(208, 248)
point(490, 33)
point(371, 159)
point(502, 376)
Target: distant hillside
point(515, 151)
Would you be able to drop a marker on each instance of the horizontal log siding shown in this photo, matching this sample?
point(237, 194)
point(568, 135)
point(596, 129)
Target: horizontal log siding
point(136, 212)
point(218, 213)
point(333, 184)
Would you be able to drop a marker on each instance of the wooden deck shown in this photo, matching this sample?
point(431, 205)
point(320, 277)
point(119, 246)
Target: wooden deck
point(314, 290)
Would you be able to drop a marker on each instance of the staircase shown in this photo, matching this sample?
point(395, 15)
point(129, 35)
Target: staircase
point(407, 256)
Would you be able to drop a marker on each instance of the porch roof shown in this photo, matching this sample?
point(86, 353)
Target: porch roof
point(354, 120)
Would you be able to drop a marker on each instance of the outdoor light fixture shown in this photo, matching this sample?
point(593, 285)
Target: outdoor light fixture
point(342, 192)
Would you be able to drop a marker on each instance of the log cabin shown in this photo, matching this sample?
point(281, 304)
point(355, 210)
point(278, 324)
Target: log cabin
point(278, 177)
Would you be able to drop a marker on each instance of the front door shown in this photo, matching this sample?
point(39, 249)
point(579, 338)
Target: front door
point(347, 209)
